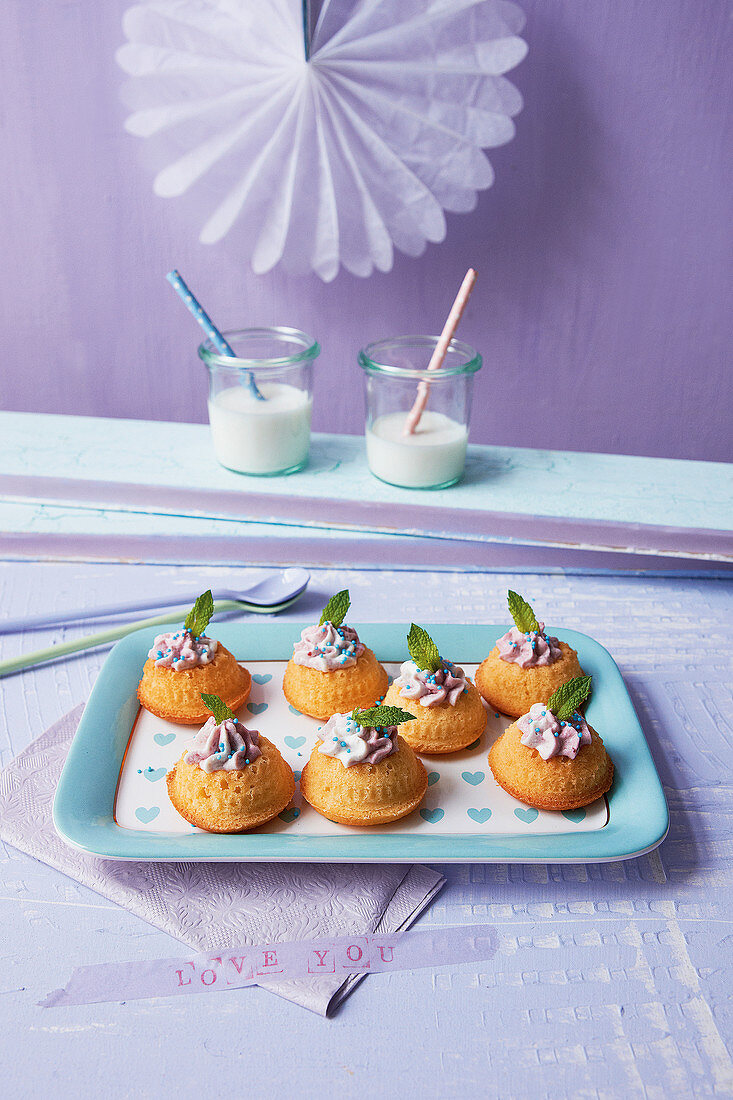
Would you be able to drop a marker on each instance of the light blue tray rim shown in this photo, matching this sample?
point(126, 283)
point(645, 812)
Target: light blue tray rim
point(84, 804)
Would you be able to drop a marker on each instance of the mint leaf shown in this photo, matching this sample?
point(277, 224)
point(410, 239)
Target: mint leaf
point(423, 649)
point(569, 697)
point(218, 708)
point(523, 615)
point(200, 614)
point(381, 716)
point(335, 610)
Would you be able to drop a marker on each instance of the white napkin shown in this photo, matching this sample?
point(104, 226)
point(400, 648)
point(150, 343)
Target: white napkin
point(215, 905)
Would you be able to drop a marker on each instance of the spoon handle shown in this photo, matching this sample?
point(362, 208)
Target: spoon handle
point(89, 641)
point(34, 622)
point(50, 653)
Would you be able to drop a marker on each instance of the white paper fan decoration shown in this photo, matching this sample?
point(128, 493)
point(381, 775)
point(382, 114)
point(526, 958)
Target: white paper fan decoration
point(335, 159)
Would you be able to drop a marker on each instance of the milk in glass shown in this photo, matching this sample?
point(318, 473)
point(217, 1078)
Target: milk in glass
point(433, 455)
point(261, 437)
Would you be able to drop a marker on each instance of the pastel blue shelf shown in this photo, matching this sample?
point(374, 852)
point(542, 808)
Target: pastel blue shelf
point(558, 499)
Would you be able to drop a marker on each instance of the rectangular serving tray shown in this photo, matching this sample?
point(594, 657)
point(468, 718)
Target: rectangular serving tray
point(119, 757)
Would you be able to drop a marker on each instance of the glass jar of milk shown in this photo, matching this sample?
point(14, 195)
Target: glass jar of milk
point(395, 371)
point(260, 403)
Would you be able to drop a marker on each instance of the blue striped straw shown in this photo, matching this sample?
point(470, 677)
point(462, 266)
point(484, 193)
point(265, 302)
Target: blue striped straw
point(196, 310)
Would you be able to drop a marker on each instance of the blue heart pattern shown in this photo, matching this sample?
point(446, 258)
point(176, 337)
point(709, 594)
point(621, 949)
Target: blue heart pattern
point(474, 744)
point(528, 816)
point(257, 708)
point(481, 816)
point(433, 816)
point(575, 816)
point(147, 815)
point(163, 738)
point(154, 773)
point(261, 677)
point(474, 778)
point(289, 814)
point(433, 777)
point(294, 742)
point(292, 708)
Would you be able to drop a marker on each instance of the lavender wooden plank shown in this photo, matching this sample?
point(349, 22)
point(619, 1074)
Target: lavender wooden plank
point(556, 498)
point(57, 533)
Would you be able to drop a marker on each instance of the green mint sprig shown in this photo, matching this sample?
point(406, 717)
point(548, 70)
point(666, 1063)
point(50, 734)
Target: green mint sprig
point(335, 610)
point(569, 697)
point(522, 613)
point(200, 614)
point(381, 716)
point(423, 649)
point(218, 708)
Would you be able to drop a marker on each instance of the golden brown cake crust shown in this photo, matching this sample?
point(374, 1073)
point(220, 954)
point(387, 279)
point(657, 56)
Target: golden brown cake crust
point(321, 694)
point(512, 690)
point(365, 794)
point(442, 728)
point(232, 802)
point(176, 696)
point(556, 784)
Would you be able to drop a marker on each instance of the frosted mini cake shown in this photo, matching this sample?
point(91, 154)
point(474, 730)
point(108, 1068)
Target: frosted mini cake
point(186, 663)
point(231, 778)
point(331, 670)
point(361, 772)
point(447, 708)
point(551, 758)
point(526, 665)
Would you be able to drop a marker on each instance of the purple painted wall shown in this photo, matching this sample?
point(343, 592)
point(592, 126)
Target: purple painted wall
point(603, 248)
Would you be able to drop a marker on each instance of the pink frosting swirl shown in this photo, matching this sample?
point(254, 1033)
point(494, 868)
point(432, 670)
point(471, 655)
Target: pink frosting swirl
point(529, 650)
point(327, 647)
point(431, 688)
point(380, 743)
point(353, 744)
point(182, 650)
point(228, 747)
point(541, 730)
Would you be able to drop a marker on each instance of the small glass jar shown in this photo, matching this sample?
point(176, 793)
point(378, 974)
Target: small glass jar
point(395, 374)
point(260, 403)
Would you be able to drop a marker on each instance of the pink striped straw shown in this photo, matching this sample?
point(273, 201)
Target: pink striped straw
point(441, 349)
